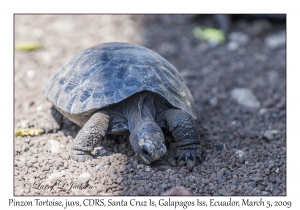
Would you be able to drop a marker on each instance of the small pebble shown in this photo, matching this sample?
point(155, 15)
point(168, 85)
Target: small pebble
point(232, 46)
point(225, 192)
point(263, 110)
point(272, 134)
point(220, 147)
point(163, 186)
point(179, 191)
point(53, 146)
point(170, 171)
point(171, 161)
point(119, 180)
point(190, 165)
point(55, 176)
point(163, 167)
point(276, 40)
point(39, 108)
point(33, 150)
point(240, 153)
point(239, 37)
point(30, 74)
point(24, 124)
point(46, 168)
point(245, 97)
point(147, 168)
point(84, 177)
point(213, 101)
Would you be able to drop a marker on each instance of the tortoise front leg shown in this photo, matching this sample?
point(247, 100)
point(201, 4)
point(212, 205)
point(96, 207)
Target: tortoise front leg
point(184, 130)
point(90, 134)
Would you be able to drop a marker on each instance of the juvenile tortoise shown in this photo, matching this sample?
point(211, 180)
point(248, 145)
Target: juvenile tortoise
point(116, 87)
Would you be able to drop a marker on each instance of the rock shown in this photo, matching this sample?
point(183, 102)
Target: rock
point(180, 191)
point(239, 37)
point(232, 46)
point(19, 191)
point(84, 177)
point(141, 190)
point(263, 110)
point(58, 162)
point(53, 146)
point(236, 40)
point(46, 168)
point(220, 147)
point(164, 186)
point(119, 180)
point(220, 173)
point(264, 193)
point(33, 150)
point(213, 101)
point(275, 40)
point(99, 151)
point(256, 177)
point(190, 165)
point(240, 153)
point(30, 74)
point(39, 108)
point(272, 134)
point(167, 48)
point(270, 164)
point(29, 164)
point(101, 166)
point(22, 158)
point(273, 77)
point(170, 171)
point(225, 192)
point(171, 161)
point(211, 186)
point(163, 167)
point(143, 167)
point(55, 176)
point(23, 124)
point(245, 97)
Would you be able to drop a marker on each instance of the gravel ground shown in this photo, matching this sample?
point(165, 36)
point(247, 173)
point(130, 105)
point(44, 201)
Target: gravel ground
point(239, 90)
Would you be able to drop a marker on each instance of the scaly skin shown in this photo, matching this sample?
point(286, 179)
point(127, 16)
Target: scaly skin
point(90, 134)
point(184, 130)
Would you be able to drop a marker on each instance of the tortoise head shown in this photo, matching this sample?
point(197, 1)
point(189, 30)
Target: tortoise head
point(147, 141)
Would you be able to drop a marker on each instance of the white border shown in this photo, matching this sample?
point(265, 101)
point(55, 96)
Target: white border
point(8, 8)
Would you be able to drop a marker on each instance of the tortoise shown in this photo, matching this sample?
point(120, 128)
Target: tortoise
point(116, 87)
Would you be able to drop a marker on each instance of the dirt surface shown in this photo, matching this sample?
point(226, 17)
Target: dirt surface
point(239, 90)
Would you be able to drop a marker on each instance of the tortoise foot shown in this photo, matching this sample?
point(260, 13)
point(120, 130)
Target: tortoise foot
point(185, 154)
point(81, 156)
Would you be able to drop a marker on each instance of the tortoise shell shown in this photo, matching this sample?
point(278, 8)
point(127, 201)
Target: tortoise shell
point(106, 74)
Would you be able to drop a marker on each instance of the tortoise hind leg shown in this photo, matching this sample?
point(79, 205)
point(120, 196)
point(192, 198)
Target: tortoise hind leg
point(184, 130)
point(90, 134)
point(58, 117)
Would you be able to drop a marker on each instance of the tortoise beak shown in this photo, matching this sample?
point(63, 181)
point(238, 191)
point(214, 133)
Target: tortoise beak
point(143, 159)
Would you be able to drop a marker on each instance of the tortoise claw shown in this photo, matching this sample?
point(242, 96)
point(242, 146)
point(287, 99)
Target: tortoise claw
point(180, 157)
point(81, 156)
point(189, 154)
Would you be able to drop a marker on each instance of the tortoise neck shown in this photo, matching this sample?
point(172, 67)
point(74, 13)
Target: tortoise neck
point(141, 109)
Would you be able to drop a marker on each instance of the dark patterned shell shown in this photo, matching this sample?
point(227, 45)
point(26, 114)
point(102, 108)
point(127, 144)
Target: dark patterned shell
point(109, 73)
